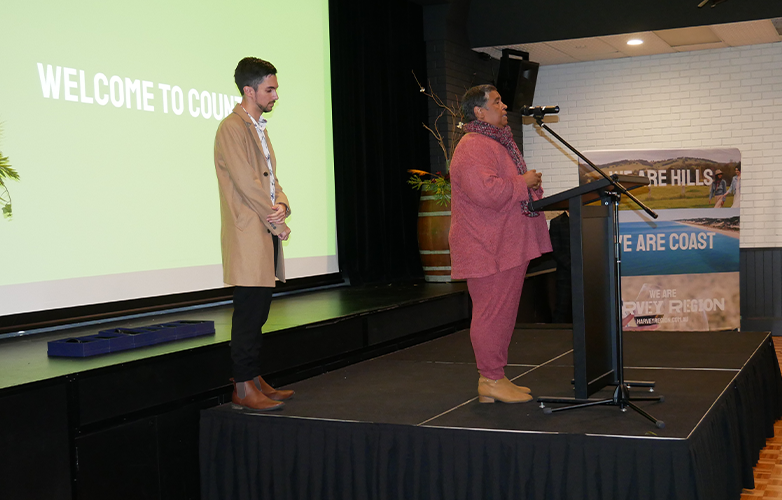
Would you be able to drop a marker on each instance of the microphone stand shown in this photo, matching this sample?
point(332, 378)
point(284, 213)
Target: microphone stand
point(621, 396)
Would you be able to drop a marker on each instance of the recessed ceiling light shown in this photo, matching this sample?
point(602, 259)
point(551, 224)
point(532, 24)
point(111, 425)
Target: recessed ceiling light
point(635, 41)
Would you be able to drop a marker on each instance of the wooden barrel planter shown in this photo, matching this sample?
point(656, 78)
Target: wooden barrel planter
point(434, 223)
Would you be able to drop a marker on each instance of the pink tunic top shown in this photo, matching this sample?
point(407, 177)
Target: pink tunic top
point(489, 232)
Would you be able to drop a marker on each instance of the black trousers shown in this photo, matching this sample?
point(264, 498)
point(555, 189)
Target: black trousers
point(251, 310)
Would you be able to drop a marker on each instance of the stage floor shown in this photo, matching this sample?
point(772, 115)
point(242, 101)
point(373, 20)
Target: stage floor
point(710, 380)
point(435, 384)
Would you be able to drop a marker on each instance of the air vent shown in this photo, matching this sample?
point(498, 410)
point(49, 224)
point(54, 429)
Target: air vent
point(688, 36)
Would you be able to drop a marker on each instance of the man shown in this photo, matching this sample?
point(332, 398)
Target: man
point(253, 210)
point(735, 187)
point(493, 234)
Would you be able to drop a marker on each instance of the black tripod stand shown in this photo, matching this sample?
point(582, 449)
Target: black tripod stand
point(621, 397)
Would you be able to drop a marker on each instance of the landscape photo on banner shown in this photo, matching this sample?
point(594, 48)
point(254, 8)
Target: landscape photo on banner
point(680, 272)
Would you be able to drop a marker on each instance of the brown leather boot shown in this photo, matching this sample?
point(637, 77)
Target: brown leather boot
point(500, 390)
point(253, 400)
point(270, 392)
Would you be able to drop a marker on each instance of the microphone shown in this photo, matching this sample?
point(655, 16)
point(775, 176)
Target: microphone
point(539, 110)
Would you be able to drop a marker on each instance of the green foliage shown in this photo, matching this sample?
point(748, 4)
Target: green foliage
point(437, 185)
point(6, 172)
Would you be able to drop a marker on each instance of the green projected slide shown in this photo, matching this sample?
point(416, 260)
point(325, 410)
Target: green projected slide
point(108, 112)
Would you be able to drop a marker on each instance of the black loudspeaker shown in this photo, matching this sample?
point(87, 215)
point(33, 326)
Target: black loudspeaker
point(516, 79)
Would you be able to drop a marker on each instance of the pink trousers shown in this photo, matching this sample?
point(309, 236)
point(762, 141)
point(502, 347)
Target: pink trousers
point(495, 305)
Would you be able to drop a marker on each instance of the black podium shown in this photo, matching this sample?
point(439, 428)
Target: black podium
point(597, 356)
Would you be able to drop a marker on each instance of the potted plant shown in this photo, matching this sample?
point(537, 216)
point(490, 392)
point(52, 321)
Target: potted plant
point(434, 209)
point(6, 172)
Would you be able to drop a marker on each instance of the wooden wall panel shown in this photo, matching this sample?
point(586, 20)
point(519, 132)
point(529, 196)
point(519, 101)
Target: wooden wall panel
point(761, 289)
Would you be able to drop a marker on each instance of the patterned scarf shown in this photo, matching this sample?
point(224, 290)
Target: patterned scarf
point(505, 137)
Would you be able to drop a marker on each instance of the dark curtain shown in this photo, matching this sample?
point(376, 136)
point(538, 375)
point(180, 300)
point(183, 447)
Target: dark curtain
point(378, 135)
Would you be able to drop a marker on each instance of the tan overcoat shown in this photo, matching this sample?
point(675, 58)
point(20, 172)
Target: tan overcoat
point(245, 201)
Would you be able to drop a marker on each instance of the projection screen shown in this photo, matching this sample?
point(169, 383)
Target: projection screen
point(108, 112)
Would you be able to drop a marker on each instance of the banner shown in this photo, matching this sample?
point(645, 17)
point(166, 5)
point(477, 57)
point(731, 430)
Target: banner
point(679, 271)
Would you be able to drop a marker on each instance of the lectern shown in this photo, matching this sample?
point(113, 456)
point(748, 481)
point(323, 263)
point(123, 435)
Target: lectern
point(596, 280)
point(596, 357)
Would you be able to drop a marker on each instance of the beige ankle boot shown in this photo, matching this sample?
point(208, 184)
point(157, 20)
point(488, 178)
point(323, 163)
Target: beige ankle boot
point(519, 387)
point(500, 390)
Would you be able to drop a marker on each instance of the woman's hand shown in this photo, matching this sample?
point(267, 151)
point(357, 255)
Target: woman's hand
point(533, 179)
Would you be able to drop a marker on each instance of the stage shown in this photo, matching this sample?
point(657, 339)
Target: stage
point(125, 425)
point(407, 425)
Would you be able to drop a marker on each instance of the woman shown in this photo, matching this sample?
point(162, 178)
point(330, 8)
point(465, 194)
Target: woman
point(718, 189)
point(493, 234)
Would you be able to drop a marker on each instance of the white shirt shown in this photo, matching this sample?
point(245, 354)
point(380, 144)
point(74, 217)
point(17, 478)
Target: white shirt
point(260, 126)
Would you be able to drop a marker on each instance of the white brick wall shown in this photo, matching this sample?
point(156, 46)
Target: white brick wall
point(716, 98)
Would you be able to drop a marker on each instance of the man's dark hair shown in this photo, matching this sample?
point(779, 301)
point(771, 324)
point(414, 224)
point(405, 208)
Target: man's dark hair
point(251, 71)
point(476, 96)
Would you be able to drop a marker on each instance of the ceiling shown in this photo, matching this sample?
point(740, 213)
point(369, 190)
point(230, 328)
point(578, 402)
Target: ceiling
point(655, 42)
